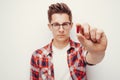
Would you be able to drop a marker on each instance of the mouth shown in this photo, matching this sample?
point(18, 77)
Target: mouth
point(61, 35)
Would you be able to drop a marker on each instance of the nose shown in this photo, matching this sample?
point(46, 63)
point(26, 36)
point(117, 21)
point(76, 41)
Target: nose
point(61, 29)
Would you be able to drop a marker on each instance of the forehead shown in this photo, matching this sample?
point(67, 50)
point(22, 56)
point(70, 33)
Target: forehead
point(60, 18)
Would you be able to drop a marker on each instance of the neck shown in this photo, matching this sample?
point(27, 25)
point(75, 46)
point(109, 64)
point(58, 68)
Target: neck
point(60, 44)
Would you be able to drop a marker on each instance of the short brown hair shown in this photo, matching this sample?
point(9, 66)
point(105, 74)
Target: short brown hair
point(59, 8)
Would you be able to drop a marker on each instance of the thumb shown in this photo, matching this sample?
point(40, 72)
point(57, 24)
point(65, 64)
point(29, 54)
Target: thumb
point(81, 38)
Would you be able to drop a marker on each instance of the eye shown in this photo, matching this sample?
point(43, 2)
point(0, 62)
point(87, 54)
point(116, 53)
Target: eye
point(66, 24)
point(55, 24)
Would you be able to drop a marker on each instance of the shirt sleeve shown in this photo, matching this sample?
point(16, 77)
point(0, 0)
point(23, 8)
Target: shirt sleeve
point(34, 70)
point(86, 60)
point(85, 52)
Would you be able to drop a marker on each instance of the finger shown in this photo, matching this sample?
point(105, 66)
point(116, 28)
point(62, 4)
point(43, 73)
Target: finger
point(81, 38)
point(99, 35)
point(80, 34)
point(103, 39)
point(93, 34)
point(86, 31)
point(103, 42)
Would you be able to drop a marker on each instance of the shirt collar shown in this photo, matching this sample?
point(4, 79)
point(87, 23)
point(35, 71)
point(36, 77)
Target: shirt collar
point(49, 46)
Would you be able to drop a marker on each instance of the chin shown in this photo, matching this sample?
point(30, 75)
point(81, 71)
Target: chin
point(62, 39)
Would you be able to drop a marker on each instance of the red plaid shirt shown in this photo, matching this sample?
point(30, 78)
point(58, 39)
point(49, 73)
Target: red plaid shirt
point(42, 66)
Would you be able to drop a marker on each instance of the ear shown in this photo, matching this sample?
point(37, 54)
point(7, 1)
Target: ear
point(50, 27)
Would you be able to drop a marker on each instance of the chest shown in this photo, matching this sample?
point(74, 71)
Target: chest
point(74, 61)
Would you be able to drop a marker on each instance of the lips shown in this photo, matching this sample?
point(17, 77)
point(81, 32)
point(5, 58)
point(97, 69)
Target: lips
point(61, 35)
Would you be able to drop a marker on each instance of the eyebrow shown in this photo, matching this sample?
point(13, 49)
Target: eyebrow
point(62, 23)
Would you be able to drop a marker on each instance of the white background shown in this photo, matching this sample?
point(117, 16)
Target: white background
point(23, 29)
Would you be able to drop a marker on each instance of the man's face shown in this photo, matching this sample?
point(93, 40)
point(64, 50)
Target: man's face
point(60, 26)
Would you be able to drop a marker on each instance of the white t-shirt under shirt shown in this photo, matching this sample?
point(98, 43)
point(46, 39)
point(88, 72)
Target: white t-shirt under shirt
point(61, 69)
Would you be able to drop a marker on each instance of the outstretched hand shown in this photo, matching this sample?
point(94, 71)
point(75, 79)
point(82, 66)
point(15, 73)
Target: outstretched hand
point(93, 39)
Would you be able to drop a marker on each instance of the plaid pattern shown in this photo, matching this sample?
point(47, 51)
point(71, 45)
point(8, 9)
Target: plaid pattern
point(42, 66)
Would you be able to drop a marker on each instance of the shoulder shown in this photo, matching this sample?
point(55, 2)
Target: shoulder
point(41, 51)
point(75, 44)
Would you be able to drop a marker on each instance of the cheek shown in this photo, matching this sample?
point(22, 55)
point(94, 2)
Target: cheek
point(54, 33)
point(67, 32)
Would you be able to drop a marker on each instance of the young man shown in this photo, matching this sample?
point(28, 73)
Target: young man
point(62, 58)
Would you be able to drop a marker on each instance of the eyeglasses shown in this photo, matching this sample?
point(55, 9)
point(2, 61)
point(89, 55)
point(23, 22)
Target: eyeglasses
point(65, 25)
